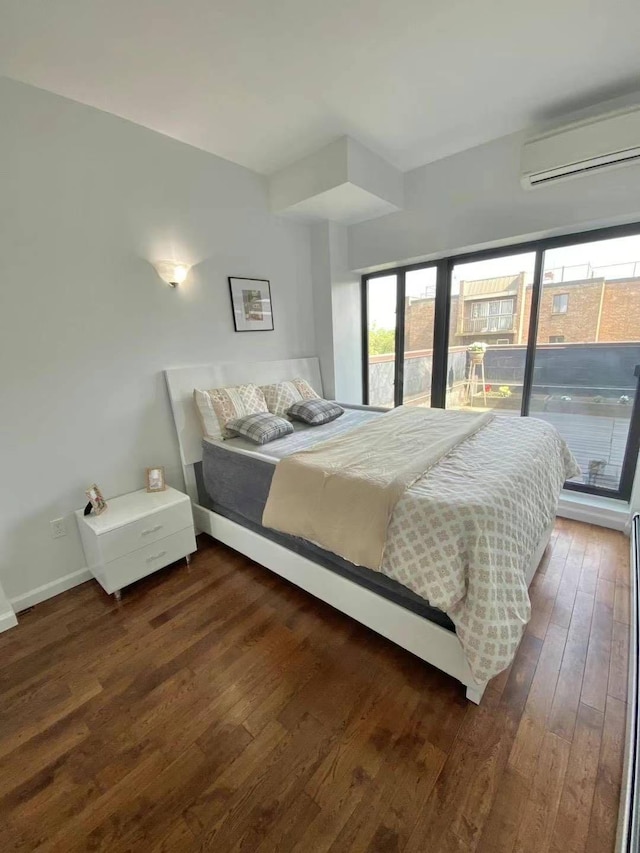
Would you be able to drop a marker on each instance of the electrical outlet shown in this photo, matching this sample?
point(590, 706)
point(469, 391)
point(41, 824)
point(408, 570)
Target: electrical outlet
point(58, 528)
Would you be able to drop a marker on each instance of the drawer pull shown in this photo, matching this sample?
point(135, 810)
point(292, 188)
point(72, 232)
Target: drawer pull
point(151, 530)
point(156, 556)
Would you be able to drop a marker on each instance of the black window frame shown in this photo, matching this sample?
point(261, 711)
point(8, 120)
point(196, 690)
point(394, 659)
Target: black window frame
point(444, 267)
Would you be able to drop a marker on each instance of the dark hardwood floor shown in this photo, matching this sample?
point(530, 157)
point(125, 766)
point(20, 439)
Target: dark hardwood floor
point(220, 708)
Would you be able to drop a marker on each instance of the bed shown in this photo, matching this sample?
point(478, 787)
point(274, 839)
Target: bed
point(229, 482)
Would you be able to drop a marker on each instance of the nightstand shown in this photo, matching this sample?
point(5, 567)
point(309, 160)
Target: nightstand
point(136, 535)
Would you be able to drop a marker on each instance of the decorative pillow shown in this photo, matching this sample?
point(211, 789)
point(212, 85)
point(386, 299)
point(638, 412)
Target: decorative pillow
point(282, 395)
point(261, 427)
point(218, 406)
point(315, 412)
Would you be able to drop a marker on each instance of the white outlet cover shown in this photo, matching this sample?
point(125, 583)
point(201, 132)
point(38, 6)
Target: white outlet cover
point(58, 528)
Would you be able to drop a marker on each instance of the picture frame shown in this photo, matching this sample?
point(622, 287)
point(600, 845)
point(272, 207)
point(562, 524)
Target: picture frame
point(96, 500)
point(155, 481)
point(251, 304)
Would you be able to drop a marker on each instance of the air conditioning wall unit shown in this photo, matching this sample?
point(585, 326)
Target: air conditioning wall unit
point(606, 142)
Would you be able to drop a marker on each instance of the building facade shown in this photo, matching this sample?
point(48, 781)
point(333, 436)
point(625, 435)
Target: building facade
point(497, 311)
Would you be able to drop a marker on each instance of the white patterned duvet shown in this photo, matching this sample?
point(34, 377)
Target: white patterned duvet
point(463, 535)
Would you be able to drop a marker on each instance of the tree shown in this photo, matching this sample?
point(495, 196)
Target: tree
point(381, 341)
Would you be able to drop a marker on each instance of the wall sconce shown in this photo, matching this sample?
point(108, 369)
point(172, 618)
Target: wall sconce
point(173, 272)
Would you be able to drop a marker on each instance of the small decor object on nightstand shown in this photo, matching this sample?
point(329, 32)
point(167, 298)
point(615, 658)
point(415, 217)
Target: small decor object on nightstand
point(155, 480)
point(96, 502)
point(251, 304)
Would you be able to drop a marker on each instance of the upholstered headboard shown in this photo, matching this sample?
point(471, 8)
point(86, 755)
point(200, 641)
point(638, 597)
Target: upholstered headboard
point(182, 380)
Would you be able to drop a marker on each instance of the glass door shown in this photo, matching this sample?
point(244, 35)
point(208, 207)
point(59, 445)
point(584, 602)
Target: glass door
point(587, 348)
point(490, 306)
point(381, 299)
point(419, 323)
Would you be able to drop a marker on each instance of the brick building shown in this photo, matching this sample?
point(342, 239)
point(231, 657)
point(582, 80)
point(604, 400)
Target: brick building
point(497, 311)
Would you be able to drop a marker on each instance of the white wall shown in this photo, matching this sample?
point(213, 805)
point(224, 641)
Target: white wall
point(87, 326)
point(322, 303)
point(347, 313)
point(474, 199)
point(336, 301)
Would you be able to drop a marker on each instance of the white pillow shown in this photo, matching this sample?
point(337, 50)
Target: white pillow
point(282, 395)
point(218, 406)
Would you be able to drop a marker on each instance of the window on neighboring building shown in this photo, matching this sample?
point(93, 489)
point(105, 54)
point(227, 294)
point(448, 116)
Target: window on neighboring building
point(556, 339)
point(560, 303)
point(485, 315)
point(503, 341)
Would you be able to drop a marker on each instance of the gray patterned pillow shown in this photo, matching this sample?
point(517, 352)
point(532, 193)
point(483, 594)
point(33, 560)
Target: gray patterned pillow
point(315, 412)
point(261, 427)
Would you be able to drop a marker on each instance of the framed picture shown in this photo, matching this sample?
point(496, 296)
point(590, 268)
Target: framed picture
point(155, 480)
point(98, 503)
point(251, 304)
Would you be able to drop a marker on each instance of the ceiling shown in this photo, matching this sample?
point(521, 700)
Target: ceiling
point(264, 82)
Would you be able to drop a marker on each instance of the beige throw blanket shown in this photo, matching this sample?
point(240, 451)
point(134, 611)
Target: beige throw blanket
point(340, 494)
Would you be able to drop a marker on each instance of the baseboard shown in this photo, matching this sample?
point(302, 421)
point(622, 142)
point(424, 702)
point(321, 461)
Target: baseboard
point(592, 509)
point(48, 590)
point(7, 620)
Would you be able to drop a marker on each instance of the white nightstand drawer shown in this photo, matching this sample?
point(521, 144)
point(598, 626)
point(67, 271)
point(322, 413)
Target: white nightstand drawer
point(138, 534)
point(138, 564)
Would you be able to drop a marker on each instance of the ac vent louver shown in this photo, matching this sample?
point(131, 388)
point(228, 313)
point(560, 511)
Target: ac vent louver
point(582, 148)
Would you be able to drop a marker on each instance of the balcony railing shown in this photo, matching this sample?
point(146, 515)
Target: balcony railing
point(578, 272)
point(486, 325)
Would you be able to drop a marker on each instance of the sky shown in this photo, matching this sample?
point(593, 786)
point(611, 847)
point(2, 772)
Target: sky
point(602, 255)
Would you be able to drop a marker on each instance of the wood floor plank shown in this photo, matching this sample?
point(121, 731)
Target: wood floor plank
point(591, 562)
point(621, 604)
point(458, 809)
point(572, 821)
point(604, 812)
point(539, 812)
point(273, 788)
point(505, 817)
point(619, 663)
point(531, 731)
point(609, 557)
point(72, 834)
point(543, 599)
point(179, 840)
point(567, 696)
point(596, 672)
point(289, 825)
point(222, 708)
point(563, 607)
point(345, 778)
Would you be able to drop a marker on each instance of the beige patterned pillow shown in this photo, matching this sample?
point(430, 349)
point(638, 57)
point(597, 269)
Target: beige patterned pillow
point(282, 395)
point(218, 406)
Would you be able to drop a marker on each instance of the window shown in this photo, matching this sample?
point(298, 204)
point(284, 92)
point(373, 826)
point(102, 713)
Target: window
point(482, 308)
point(491, 330)
point(381, 298)
point(419, 317)
point(488, 316)
point(560, 303)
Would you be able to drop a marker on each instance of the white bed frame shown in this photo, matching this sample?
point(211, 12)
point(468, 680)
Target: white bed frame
point(423, 638)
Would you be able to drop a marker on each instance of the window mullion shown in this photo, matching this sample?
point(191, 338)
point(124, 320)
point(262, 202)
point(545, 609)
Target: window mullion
point(536, 289)
point(400, 318)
